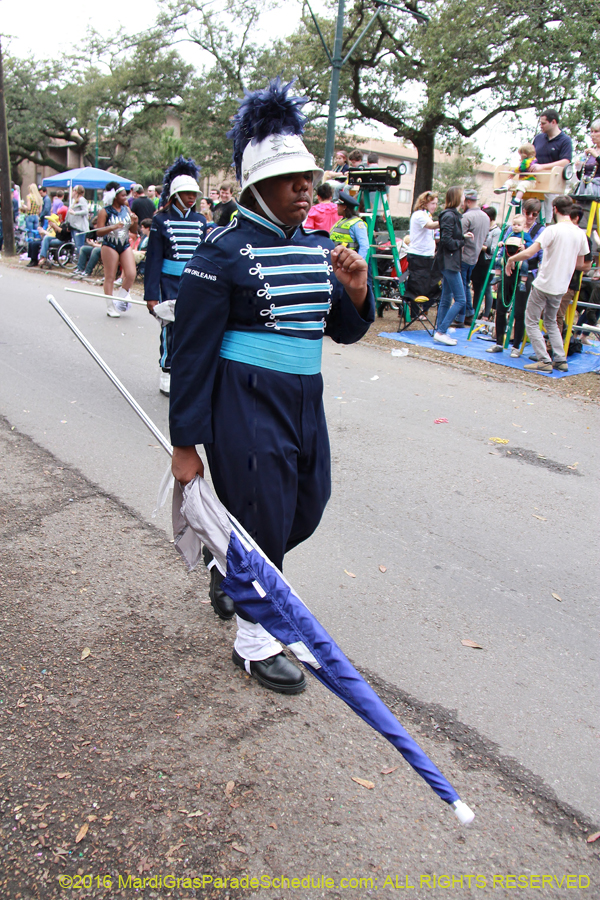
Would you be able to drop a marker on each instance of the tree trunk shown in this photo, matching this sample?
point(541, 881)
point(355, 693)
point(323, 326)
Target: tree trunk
point(425, 146)
point(5, 185)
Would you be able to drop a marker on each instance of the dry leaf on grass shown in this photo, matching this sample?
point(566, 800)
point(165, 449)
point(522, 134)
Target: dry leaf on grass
point(364, 783)
point(82, 833)
point(541, 518)
point(351, 574)
point(383, 568)
point(473, 644)
point(556, 597)
point(593, 837)
point(63, 774)
point(229, 788)
point(389, 770)
point(86, 652)
point(239, 848)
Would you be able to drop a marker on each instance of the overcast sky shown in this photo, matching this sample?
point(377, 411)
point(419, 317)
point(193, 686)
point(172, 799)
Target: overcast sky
point(45, 28)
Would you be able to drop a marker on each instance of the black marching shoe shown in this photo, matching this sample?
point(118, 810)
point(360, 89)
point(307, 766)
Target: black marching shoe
point(276, 673)
point(220, 601)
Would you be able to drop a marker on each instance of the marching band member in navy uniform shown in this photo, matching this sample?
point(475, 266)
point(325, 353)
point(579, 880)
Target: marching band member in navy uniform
point(253, 306)
point(176, 231)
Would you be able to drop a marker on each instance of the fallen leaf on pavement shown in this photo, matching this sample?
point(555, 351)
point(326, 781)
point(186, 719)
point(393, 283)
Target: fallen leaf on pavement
point(439, 421)
point(593, 837)
point(195, 815)
point(383, 568)
point(574, 466)
point(473, 644)
point(63, 774)
point(351, 574)
point(541, 518)
point(496, 440)
point(86, 652)
point(239, 848)
point(556, 597)
point(82, 832)
point(229, 788)
point(174, 847)
point(389, 770)
point(364, 783)
point(273, 825)
point(92, 818)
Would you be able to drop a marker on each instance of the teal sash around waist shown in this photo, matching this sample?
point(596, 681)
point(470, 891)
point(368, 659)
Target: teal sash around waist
point(174, 267)
point(280, 352)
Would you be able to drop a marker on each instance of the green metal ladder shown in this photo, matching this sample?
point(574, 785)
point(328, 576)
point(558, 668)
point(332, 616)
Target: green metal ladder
point(372, 200)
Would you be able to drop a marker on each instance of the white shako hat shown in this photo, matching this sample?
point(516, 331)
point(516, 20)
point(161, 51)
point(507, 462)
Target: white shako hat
point(181, 176)
point(267, 136)
point(184, 183)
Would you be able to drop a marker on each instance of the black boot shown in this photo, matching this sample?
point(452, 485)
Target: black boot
point(277, 673)
point(220, 602)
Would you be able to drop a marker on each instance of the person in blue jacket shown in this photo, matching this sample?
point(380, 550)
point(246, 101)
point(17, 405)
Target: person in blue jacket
point(176, 231)
point(253, 307)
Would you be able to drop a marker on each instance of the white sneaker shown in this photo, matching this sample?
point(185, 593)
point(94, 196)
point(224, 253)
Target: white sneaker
point(119, 281)
point(514, 353)
point(444, 339)
point(110, 309)
point(165, 383)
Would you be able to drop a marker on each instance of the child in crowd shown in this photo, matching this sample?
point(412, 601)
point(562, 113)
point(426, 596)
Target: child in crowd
point(523, 178)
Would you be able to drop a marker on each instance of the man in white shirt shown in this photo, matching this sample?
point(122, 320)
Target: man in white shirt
point(564, 246)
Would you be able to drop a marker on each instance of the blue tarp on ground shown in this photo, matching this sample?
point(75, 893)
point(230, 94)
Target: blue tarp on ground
point(91, 179)
point(579, 363)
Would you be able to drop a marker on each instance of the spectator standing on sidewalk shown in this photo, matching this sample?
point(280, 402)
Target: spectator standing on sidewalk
point(33, 205)
point(142, 206)
point(565, 246)
point(449, 257)
point(152, 195)
point(325, 213)
point(46, 206)
point(226, 207)
point(552, 148)
point(57, 202)
point(477, 223)
point(78, 217)
point(575, 216)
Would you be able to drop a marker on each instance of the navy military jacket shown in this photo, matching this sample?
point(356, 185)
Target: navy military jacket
point(249, 276)
point(174, 236)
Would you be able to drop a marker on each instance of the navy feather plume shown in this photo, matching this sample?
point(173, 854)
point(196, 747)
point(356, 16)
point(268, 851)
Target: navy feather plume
point(181, 166)
point(265, 112)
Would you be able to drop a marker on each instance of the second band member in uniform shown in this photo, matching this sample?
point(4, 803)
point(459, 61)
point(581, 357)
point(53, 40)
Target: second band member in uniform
point(176, 231)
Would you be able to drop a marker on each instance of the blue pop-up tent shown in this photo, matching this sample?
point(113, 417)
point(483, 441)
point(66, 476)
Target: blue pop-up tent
point(90, 178)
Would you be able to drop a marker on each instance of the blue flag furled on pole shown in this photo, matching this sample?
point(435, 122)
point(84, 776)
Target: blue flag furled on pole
point(261, 592)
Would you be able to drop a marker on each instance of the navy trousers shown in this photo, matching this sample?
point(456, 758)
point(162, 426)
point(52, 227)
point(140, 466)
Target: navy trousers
point(269, 459)
point(166, 346)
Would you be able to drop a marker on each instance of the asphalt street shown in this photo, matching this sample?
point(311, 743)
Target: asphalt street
point(475, 540)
